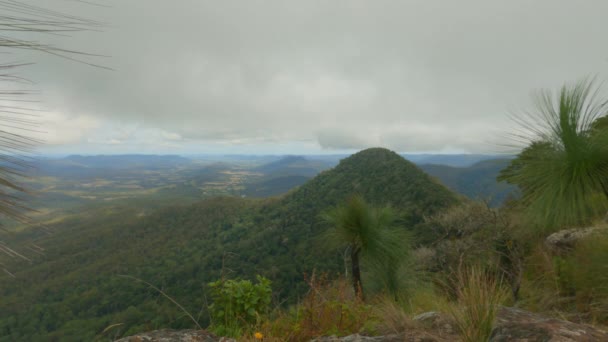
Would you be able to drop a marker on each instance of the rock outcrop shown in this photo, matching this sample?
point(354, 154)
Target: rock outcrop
point(167, 335)
point(512, 325)
point(515, 325)
point(437, 322)
point(415, 336)
point(358, 338)
point(565, 240)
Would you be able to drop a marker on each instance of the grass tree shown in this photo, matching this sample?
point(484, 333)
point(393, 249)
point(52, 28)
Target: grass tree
point(25, 26)
point(367, 232)
point(563, 171)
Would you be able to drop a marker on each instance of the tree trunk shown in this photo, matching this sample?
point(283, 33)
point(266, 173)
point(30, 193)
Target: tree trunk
point(356, 272)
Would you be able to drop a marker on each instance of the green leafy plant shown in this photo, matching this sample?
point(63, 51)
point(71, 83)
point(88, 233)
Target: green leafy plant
point(238, 304)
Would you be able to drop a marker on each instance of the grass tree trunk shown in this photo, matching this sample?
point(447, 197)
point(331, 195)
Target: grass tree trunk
point(356, 272)
point(605, 189)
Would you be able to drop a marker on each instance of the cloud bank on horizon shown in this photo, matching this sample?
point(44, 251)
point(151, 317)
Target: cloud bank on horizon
point(311, 76)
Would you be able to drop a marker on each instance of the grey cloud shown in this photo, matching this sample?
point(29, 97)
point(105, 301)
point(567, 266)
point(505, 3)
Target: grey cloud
point(327, 71)
point(341, 140)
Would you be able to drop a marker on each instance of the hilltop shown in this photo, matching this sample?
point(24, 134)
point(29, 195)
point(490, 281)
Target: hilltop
point(379, 175)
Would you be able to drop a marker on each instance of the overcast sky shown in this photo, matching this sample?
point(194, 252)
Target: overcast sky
point(195, 76)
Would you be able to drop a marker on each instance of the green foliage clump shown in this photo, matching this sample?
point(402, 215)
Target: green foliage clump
point(583, 276)
point(368, 232)
point(473, 234)
point(238, 303)
point(576, 278)
point(563, 171)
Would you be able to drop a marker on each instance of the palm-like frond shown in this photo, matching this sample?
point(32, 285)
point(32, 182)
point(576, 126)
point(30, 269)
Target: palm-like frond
point(563, 173)
point(22, 25)
point(369, 230)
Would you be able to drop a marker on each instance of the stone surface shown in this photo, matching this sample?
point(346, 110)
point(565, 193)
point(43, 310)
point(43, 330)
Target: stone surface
point(437, 322)
point(358, 338)
point(511, 325)
point(430, 316)
point(565, 240)
point(410, 337)
point(522, 326)
point(167, 335)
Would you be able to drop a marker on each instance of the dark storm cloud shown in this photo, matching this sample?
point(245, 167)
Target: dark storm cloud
point(409, 75)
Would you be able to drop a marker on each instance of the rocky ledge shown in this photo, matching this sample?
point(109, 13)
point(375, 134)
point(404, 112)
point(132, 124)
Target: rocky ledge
point(522, 326)
point(512, 325)
point(564, 241)
point(167, 335)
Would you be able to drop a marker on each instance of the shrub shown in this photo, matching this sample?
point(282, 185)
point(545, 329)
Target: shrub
point(571, 286)
point(475, 234)
point(584, 274)
point(238, 304)
point(393, 319)
point(540, 284)
point(425, 297)
point(329, 308)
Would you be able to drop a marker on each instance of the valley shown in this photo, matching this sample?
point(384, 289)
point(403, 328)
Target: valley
point(311, 171)
point(180, 223)
point(64, 186)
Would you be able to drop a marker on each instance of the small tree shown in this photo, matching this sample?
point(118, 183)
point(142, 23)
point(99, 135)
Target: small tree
point(367, 232)
point(563, 172)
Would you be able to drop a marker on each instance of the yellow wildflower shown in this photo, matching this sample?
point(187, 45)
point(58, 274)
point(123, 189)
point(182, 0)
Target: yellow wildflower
point(258, 335)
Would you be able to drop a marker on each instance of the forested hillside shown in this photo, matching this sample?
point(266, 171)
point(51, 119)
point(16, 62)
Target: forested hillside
point(478, 181)
point(74, 291)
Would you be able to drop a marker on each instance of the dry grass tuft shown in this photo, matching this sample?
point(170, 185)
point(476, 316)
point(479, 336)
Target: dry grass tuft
point(393, 319)
point(329, 308)
point(479, 295)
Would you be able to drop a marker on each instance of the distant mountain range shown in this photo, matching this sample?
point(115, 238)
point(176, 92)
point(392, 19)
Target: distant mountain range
point(477, 181)
point(129, 160)
point(97, 166)
point(293, 165)
point(454, 160)
point(471, 175)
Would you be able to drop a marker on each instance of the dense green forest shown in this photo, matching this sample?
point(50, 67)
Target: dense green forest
point(75, 290)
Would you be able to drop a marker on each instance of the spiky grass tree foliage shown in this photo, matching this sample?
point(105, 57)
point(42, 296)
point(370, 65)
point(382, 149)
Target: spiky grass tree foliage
point(25, 26)
point(563, 172)
point(367, 232)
